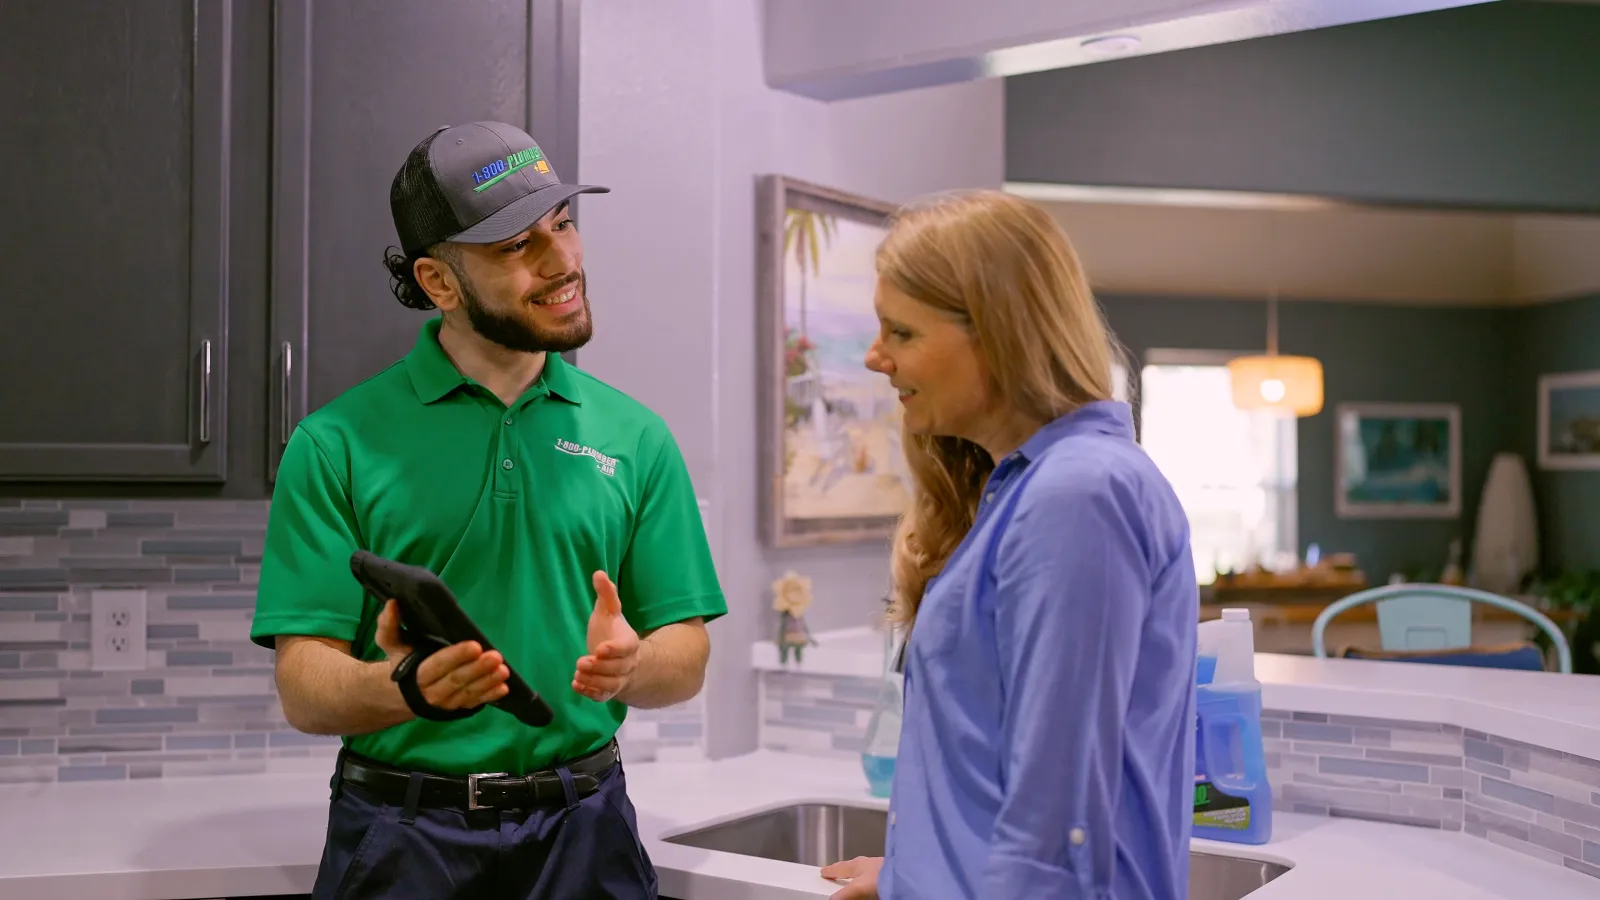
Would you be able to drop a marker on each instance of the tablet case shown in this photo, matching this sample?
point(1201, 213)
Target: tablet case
point(431, 619)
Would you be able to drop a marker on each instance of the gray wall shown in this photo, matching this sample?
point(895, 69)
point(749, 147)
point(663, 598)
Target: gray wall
point(1370, 353)
point(1550, 338)
point(1490, 105)
point(677, 119)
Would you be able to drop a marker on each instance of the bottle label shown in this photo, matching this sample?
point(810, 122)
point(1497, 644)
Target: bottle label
point(1214, 808)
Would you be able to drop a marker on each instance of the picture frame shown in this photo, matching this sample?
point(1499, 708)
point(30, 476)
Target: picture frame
point(831, 465)
point(1569, 420)
point(1397, 460)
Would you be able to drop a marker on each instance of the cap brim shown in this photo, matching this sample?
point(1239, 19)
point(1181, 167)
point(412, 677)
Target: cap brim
point(520, 214)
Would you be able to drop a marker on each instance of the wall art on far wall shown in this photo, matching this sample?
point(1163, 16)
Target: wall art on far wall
point(1397, 460)
point(832, 468)
point(1569, 420)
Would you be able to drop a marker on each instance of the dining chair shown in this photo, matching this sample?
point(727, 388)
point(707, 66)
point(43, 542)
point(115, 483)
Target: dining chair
point(1432, 623)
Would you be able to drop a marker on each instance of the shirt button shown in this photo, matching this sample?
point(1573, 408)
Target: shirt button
point(508, 421)
point(989, 497)
point(506, 464)
point(1076, 836)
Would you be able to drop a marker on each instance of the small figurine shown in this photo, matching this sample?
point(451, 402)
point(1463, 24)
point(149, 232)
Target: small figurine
point(791, 595)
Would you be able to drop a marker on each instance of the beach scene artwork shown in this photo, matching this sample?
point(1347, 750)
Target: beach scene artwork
point(1569, 420)
point(1399, 460)
point(842, 457)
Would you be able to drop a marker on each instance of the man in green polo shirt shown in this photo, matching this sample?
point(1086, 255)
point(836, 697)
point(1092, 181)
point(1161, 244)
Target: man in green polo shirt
point(557, 509)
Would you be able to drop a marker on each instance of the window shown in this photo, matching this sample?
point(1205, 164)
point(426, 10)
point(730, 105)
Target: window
point(1234, 471)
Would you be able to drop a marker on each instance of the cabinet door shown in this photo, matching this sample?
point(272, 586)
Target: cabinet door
point(114, 238)
point(359, 83)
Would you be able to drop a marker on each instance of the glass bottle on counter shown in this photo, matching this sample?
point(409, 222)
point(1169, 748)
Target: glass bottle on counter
point(883, 730)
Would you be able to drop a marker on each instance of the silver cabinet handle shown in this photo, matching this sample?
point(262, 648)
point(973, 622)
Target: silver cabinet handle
point(284, 402)
point(205, 391)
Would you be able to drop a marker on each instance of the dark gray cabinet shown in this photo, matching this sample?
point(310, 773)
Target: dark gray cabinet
point(359, 83)
point(196, 198)
point(115, 176)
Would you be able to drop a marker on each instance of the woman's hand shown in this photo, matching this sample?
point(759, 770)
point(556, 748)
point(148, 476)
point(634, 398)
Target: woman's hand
point(863, 874)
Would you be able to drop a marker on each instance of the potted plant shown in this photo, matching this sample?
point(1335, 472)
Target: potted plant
point(1577, 590)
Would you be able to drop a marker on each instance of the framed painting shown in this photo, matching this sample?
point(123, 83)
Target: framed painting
point(1397, 461)
point(832, 469)
point(1569, 420)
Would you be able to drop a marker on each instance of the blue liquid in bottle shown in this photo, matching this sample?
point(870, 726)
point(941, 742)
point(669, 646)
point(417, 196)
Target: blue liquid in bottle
point(880, 773)
point(883, 736)
point(1232, 798)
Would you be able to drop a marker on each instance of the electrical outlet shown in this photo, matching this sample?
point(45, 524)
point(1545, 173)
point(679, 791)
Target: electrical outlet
point(117, 630)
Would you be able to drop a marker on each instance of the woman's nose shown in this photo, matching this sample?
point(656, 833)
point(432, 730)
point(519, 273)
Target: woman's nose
point(875, 360)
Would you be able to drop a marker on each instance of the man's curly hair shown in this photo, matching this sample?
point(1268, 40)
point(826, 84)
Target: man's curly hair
point(402, 273)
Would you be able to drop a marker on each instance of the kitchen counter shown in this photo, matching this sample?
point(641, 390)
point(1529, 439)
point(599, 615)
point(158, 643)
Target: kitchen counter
point(1548, 709)
point(235, 836)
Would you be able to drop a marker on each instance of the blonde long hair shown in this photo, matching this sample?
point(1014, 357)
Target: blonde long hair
point(1009, 274)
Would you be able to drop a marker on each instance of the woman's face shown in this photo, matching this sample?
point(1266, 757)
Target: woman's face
point(933, 361)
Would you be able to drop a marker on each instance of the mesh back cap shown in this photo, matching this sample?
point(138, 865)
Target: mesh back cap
point(476, 183)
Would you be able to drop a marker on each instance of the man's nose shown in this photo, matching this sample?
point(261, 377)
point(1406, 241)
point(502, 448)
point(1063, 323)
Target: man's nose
point(559, 261)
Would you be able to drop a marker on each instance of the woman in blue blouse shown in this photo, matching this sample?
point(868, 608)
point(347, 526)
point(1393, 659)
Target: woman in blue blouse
point(1044, 570)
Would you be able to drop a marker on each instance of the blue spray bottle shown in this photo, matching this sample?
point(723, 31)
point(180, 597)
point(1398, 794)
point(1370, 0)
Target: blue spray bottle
point(1232, 798)
point(883, 731)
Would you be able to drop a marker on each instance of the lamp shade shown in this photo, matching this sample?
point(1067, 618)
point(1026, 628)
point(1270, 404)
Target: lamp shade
point(1290, 384)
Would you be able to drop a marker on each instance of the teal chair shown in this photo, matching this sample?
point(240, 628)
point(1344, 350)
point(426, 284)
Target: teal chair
point(1426, 622)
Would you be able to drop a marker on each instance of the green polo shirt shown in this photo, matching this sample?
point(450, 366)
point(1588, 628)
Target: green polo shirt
point(514, 508)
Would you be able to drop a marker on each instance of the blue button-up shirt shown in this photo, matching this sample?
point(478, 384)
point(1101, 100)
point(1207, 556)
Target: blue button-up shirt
point(1048, 743)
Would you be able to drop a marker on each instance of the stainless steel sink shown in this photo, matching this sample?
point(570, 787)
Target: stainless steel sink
point(815, 834)
point(810, 834)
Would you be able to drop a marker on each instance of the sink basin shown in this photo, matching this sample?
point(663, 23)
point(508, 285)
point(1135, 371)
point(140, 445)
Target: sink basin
point(811, 834)
point(815, 834)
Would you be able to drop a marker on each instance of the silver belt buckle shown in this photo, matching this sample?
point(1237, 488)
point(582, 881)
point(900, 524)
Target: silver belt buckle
point(472, 787)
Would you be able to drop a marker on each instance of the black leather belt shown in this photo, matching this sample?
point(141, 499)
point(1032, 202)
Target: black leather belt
point(494, 790)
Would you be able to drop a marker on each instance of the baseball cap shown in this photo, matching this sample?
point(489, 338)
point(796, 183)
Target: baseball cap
point(476, 183)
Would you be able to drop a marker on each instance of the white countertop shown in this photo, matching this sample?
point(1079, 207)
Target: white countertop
point(1561, 712)
point(219, 836)
point(1549, 709)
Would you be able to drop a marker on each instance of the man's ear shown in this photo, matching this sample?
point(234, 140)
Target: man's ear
point(439, 281)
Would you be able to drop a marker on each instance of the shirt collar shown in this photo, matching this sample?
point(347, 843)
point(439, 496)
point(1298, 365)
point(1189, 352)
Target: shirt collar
point(433, 375)
point(1100, 417)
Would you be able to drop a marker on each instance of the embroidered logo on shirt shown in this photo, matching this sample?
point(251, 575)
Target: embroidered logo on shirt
point(606, 464)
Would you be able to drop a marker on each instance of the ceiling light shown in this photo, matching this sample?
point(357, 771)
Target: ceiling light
point(1111, 45)
point(1273, 382)
point(1285, 384)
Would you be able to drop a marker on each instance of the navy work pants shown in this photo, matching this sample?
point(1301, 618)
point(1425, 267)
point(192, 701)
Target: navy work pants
point(588, 849)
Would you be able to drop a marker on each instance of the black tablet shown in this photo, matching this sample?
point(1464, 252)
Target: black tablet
point(429, 614)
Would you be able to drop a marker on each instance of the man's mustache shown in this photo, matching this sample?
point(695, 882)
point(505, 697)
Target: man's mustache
point(553, 289)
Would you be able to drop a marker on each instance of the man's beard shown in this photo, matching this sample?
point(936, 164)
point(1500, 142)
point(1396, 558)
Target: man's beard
point(513, 331)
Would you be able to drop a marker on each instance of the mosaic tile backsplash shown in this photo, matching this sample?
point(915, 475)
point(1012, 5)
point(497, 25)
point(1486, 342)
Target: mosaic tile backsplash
point(1540, 802)
point(205, 703)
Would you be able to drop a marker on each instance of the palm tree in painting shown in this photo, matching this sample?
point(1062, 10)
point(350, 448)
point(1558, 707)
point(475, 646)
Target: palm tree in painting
point(807, 233)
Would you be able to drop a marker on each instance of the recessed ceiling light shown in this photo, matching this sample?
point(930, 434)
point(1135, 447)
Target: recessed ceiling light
point(1111, 45)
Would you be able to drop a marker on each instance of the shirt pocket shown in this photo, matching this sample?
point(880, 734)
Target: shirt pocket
point(942, 619)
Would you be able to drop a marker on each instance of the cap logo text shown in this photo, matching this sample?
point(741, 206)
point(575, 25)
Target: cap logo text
point(490, 175)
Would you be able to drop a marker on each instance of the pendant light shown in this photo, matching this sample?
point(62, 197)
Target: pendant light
point(1274, 383)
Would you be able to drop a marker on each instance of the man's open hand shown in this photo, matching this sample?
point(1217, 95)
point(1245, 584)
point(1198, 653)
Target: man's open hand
point(613, 646)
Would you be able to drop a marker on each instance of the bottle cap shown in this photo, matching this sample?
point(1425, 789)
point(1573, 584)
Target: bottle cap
point(1236, 615)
